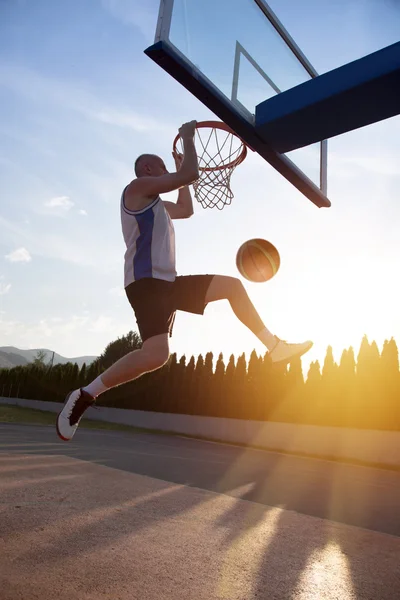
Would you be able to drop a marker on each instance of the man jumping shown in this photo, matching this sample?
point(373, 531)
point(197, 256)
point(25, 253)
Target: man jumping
point(152, 286)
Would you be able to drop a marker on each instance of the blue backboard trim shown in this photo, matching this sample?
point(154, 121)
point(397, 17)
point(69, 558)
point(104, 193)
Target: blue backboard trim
point(354, 95)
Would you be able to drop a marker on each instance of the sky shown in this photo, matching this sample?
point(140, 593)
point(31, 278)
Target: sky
point(80, 101)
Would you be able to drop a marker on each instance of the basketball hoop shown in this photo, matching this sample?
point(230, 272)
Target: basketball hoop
point(219, 152)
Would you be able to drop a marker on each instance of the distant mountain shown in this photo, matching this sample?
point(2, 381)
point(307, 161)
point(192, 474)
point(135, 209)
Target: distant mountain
point(8, 360)
point(12, 357)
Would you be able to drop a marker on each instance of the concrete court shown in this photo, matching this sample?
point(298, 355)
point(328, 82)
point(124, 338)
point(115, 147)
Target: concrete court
point(122, 516)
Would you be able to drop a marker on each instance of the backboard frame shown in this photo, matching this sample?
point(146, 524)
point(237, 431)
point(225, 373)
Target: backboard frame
point(173, 61)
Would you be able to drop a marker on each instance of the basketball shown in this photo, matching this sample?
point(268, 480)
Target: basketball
point(258, 260)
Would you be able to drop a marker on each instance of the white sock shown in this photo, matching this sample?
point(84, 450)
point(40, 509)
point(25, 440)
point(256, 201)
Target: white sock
point(95, 388)
point(267, 338)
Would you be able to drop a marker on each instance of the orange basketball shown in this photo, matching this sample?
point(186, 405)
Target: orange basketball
point(258, 260)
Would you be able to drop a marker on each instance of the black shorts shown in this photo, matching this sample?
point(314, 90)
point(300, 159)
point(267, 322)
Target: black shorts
point(155, 301)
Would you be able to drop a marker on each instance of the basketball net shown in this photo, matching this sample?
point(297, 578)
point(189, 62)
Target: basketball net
point(219, 152)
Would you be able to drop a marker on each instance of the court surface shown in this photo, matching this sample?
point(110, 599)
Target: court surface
point(116, 515)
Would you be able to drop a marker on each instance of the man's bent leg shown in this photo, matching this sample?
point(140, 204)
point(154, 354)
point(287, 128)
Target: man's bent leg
point(152, 355)
point(230, 288)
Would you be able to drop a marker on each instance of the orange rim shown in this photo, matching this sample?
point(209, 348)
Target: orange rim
point(223, 127)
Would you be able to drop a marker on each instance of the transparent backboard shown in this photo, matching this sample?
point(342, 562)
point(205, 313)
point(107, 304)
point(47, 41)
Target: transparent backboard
point(243, 51)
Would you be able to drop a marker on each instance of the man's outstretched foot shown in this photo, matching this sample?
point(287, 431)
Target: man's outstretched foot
point(284, 352)
point(68, 419)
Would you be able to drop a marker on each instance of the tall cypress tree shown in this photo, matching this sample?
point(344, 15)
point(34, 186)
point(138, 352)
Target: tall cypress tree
point(206, 386)
point(198, 381)
point(168, 386)
point(368, 367)
point(254, 388)
point(229, 387)
point(189, 387)
point(296, 410)
point(220, 400)
point(329, 391)
point(346, 379)
point(273, 385)
point(312, 391)
point(389, 397)
point(240, 393)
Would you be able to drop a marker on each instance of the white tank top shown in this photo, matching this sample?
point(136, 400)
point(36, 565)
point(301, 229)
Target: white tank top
point(150, 242)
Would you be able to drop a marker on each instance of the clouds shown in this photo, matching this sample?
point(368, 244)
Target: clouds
point(19, 255)
point(59, 205)
point(62, 202)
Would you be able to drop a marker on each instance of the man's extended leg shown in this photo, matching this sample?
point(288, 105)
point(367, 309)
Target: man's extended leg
point(152, 355)
point(230, 288)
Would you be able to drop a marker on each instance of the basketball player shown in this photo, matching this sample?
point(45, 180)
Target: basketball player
point(152, 286)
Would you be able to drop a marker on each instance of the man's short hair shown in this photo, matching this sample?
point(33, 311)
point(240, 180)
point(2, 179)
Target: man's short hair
point(138, 162)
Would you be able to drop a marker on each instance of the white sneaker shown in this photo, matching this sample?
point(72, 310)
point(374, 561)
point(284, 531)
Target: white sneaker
point(68, 419)
point(284, 352)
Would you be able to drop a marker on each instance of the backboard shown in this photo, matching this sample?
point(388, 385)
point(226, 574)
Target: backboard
point(233, 55)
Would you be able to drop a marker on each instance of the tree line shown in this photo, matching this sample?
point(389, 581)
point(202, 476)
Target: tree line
point(362, 390)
